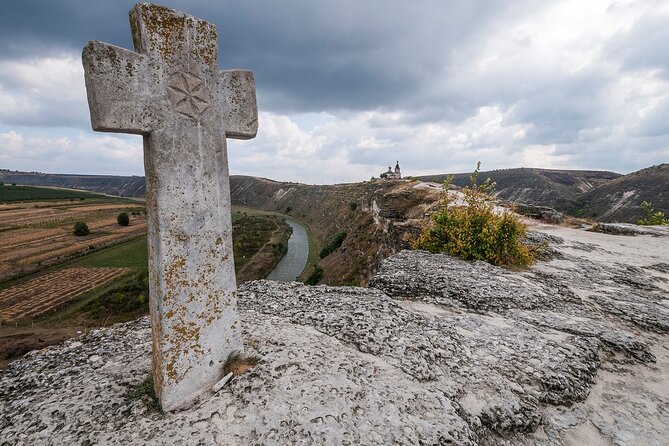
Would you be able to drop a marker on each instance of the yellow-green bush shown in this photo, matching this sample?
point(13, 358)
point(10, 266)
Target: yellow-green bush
point(474, 231)
point(652, 217)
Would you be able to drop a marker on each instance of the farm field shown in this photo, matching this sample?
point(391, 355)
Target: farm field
point(10, 193)
point(96, 289)
point(38, 234)
point(47, 292)
point(55, 285)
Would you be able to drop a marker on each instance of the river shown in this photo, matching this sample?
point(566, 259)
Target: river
point(292, 264)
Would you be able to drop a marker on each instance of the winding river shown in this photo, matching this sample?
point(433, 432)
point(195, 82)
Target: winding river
point(292, 264)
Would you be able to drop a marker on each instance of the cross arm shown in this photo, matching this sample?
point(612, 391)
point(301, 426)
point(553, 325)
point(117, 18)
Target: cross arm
point(240, 110)
point(116, 88)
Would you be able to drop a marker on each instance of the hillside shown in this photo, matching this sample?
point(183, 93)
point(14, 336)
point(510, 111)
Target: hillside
point(620, 199)
point(125, 186)
point(545, 187)
point(601, 195)
point(378, 217)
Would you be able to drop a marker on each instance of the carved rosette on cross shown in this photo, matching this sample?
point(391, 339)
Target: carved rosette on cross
point(171, 91)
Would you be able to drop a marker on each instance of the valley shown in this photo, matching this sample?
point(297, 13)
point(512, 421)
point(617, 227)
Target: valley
point(55, 285)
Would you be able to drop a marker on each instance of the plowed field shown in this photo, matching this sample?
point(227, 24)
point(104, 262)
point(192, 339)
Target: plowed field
point(47, 292)
point(37, 235)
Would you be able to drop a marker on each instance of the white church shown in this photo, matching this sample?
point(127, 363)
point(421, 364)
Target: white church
point(390, 175)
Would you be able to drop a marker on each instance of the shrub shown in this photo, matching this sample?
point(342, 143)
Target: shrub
point(288, 209)
point(123, 219)
point(81, 228)
point(652, 216)
point(353, 205)
point(315, 276)
point(334, 243)
point(475, 231)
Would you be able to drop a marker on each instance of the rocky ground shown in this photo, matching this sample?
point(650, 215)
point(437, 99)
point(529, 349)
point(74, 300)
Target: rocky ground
point(573, 351)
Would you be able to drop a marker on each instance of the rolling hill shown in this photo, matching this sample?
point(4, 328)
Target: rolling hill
point(620, 199)
point(544, 187)
point(130, 186)
point(602, 195)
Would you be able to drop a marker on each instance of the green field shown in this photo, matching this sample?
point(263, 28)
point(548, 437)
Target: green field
point(10, 194)
point(133, 254)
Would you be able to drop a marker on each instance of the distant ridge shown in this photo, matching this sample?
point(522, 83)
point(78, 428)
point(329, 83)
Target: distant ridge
point(620, 198)
point(602, 195)
point(124, 186)
point(545, 187)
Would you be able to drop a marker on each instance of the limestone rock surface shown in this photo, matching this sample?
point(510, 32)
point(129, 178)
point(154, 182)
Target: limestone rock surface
point(437, 351)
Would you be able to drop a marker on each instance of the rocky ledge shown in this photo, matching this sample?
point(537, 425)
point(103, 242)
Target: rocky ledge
point(436, 351)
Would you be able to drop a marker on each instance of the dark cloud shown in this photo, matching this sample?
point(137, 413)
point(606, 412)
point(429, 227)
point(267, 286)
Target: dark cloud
point(431, 83)
point(307, 56)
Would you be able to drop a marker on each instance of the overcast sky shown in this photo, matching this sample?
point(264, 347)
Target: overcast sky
point(346, 88)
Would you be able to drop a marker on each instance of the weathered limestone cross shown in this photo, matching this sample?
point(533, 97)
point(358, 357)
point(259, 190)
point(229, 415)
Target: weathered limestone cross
point(172, 92)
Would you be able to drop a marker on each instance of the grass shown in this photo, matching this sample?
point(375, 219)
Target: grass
point(127, 254)
point(10, 194)
point(118, 297)
point(133, 254)
point(314, 250)
point(127, 299)
point(144, 392)
point(236, 216)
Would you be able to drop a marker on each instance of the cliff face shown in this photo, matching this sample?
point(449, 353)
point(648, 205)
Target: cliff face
point(439, 351)
point(378, 217)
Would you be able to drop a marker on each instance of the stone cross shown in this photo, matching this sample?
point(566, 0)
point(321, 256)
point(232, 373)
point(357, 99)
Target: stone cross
point(171, 91)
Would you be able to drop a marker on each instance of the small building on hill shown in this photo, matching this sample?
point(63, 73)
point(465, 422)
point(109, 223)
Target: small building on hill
point(392, 175)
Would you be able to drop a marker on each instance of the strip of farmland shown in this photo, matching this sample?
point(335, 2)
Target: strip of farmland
point(47, 292)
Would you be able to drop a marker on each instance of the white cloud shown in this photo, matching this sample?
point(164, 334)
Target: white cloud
point(81, 153)
point(44, 92)
point(564, 84)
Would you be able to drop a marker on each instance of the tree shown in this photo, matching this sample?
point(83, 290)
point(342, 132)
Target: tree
point(81, 228)
point(123, 219)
